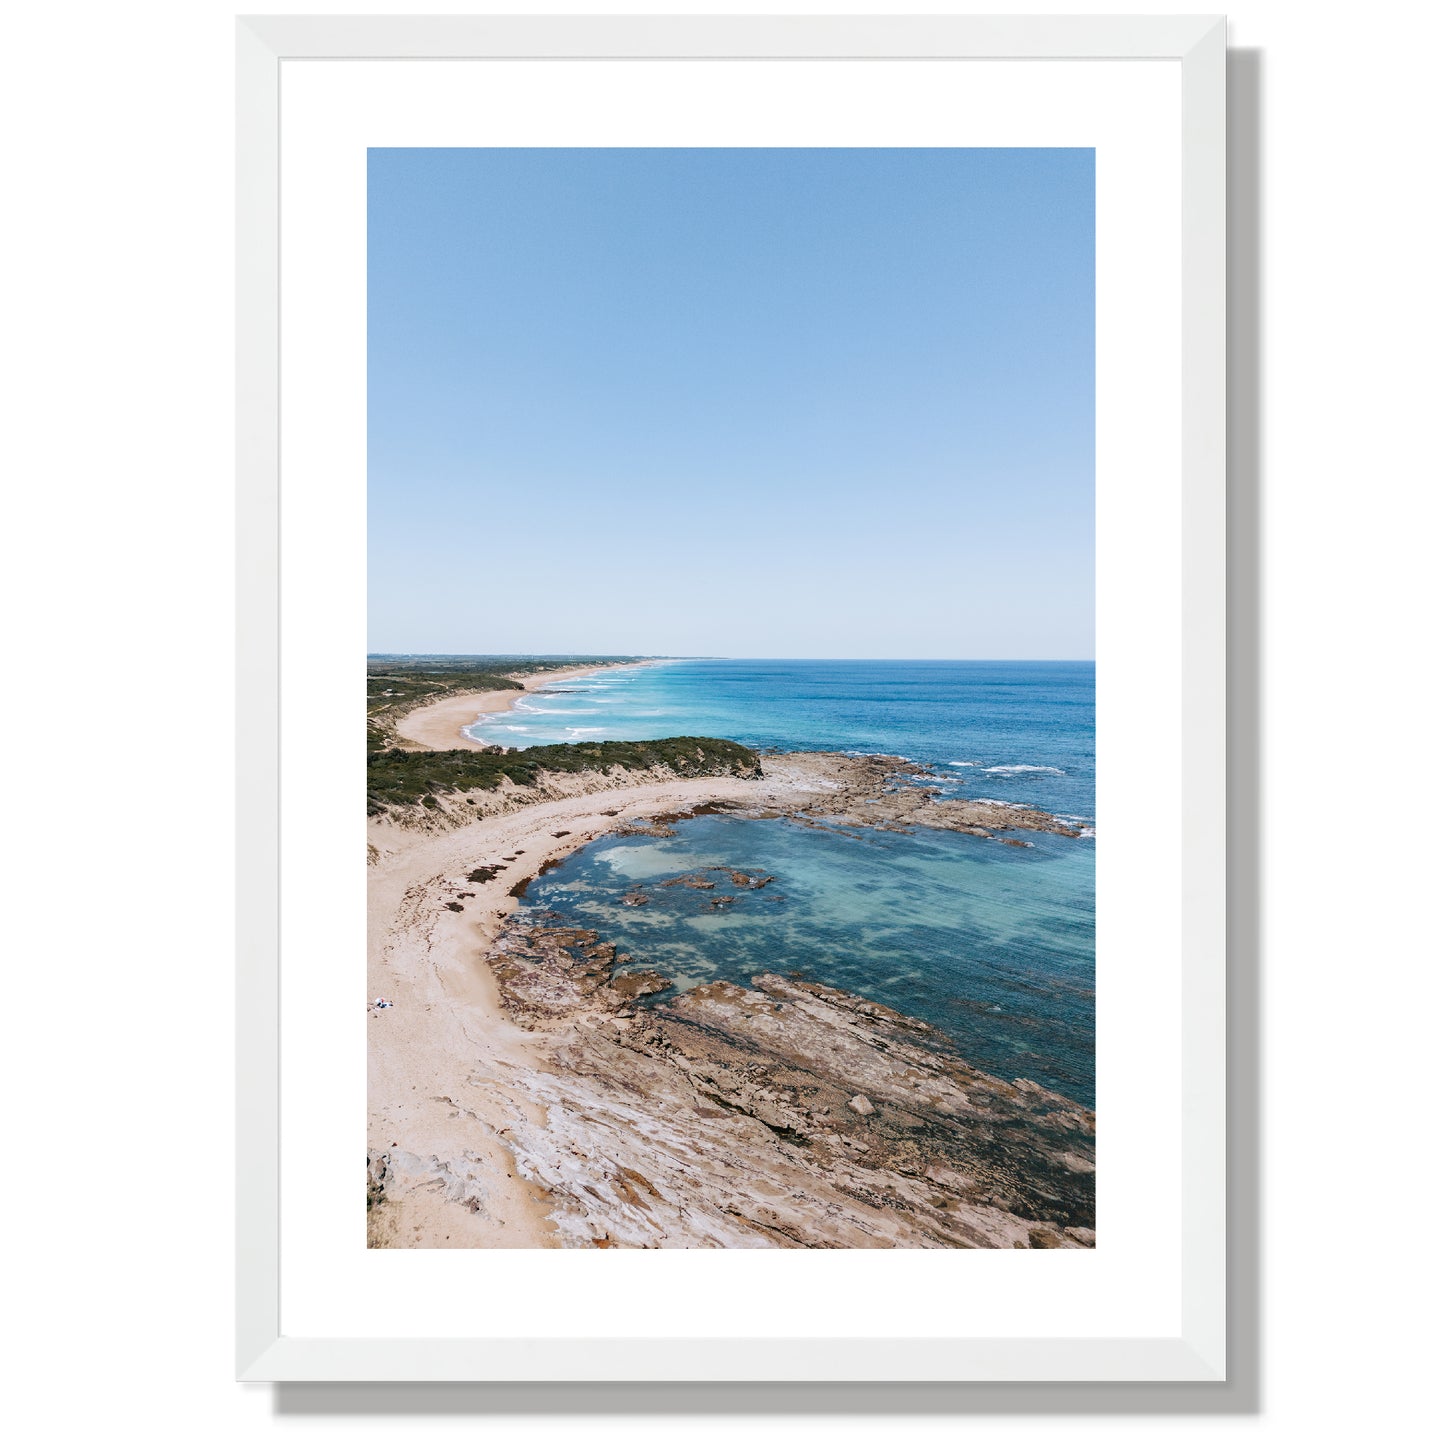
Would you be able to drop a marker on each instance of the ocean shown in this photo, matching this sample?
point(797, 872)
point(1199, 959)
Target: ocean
point(994, 946)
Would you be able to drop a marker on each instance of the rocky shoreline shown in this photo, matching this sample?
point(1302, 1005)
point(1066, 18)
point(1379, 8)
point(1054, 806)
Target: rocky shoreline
point(788, 1114)
point(841, 790)
point(819, 789)
point(580, 1103)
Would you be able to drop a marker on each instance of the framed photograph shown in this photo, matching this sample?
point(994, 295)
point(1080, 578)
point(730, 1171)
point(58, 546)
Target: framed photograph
point(762, 479)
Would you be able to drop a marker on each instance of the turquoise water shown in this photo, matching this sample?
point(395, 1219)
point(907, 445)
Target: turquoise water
point(1019, 731)
point(992, 945)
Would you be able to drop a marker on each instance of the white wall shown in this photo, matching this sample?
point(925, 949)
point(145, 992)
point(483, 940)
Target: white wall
point(117, 1030)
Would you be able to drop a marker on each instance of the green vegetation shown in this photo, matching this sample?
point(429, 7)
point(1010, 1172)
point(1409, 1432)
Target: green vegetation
point(449, 664)
point(401, 777)
point(397, 778)
point(396, 685)
point(391, 695)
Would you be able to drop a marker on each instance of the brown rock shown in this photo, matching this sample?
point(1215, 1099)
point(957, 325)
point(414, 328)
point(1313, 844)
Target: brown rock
point(637, 985)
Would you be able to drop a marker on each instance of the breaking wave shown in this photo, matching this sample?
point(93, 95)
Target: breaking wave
point(1026, 768)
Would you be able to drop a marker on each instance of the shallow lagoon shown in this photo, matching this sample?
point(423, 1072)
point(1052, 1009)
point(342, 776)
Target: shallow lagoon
point(992, 945)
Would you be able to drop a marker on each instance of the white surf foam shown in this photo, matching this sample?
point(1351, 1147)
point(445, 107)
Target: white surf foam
point(1026, 768)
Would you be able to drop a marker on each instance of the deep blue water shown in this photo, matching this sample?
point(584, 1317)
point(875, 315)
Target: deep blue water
point(993, 945)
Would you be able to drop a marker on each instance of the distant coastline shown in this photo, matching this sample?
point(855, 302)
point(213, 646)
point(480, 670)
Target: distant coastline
point(440, 725)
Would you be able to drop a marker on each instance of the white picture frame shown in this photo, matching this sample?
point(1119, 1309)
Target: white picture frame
point(1198, 1351)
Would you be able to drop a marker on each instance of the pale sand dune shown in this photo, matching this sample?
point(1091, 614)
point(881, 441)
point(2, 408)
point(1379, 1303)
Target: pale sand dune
point(439, 725)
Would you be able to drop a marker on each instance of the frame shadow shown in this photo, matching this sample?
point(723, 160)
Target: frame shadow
point(1242, 1393)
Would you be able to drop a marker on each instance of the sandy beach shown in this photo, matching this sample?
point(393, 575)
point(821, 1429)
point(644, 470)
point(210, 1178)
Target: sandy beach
point(448, 1069)
point(439, 725)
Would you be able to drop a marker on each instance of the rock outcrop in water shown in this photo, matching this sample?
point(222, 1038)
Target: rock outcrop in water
point(891, 793)
point(786, 1114)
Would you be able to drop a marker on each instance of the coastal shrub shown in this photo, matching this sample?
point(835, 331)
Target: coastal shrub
point(390, 691)
point(398, 665)
point(396, 686)
point(395, 776)
point(399, 684)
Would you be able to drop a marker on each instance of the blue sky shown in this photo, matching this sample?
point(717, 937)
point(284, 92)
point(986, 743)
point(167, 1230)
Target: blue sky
point(761, 403)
